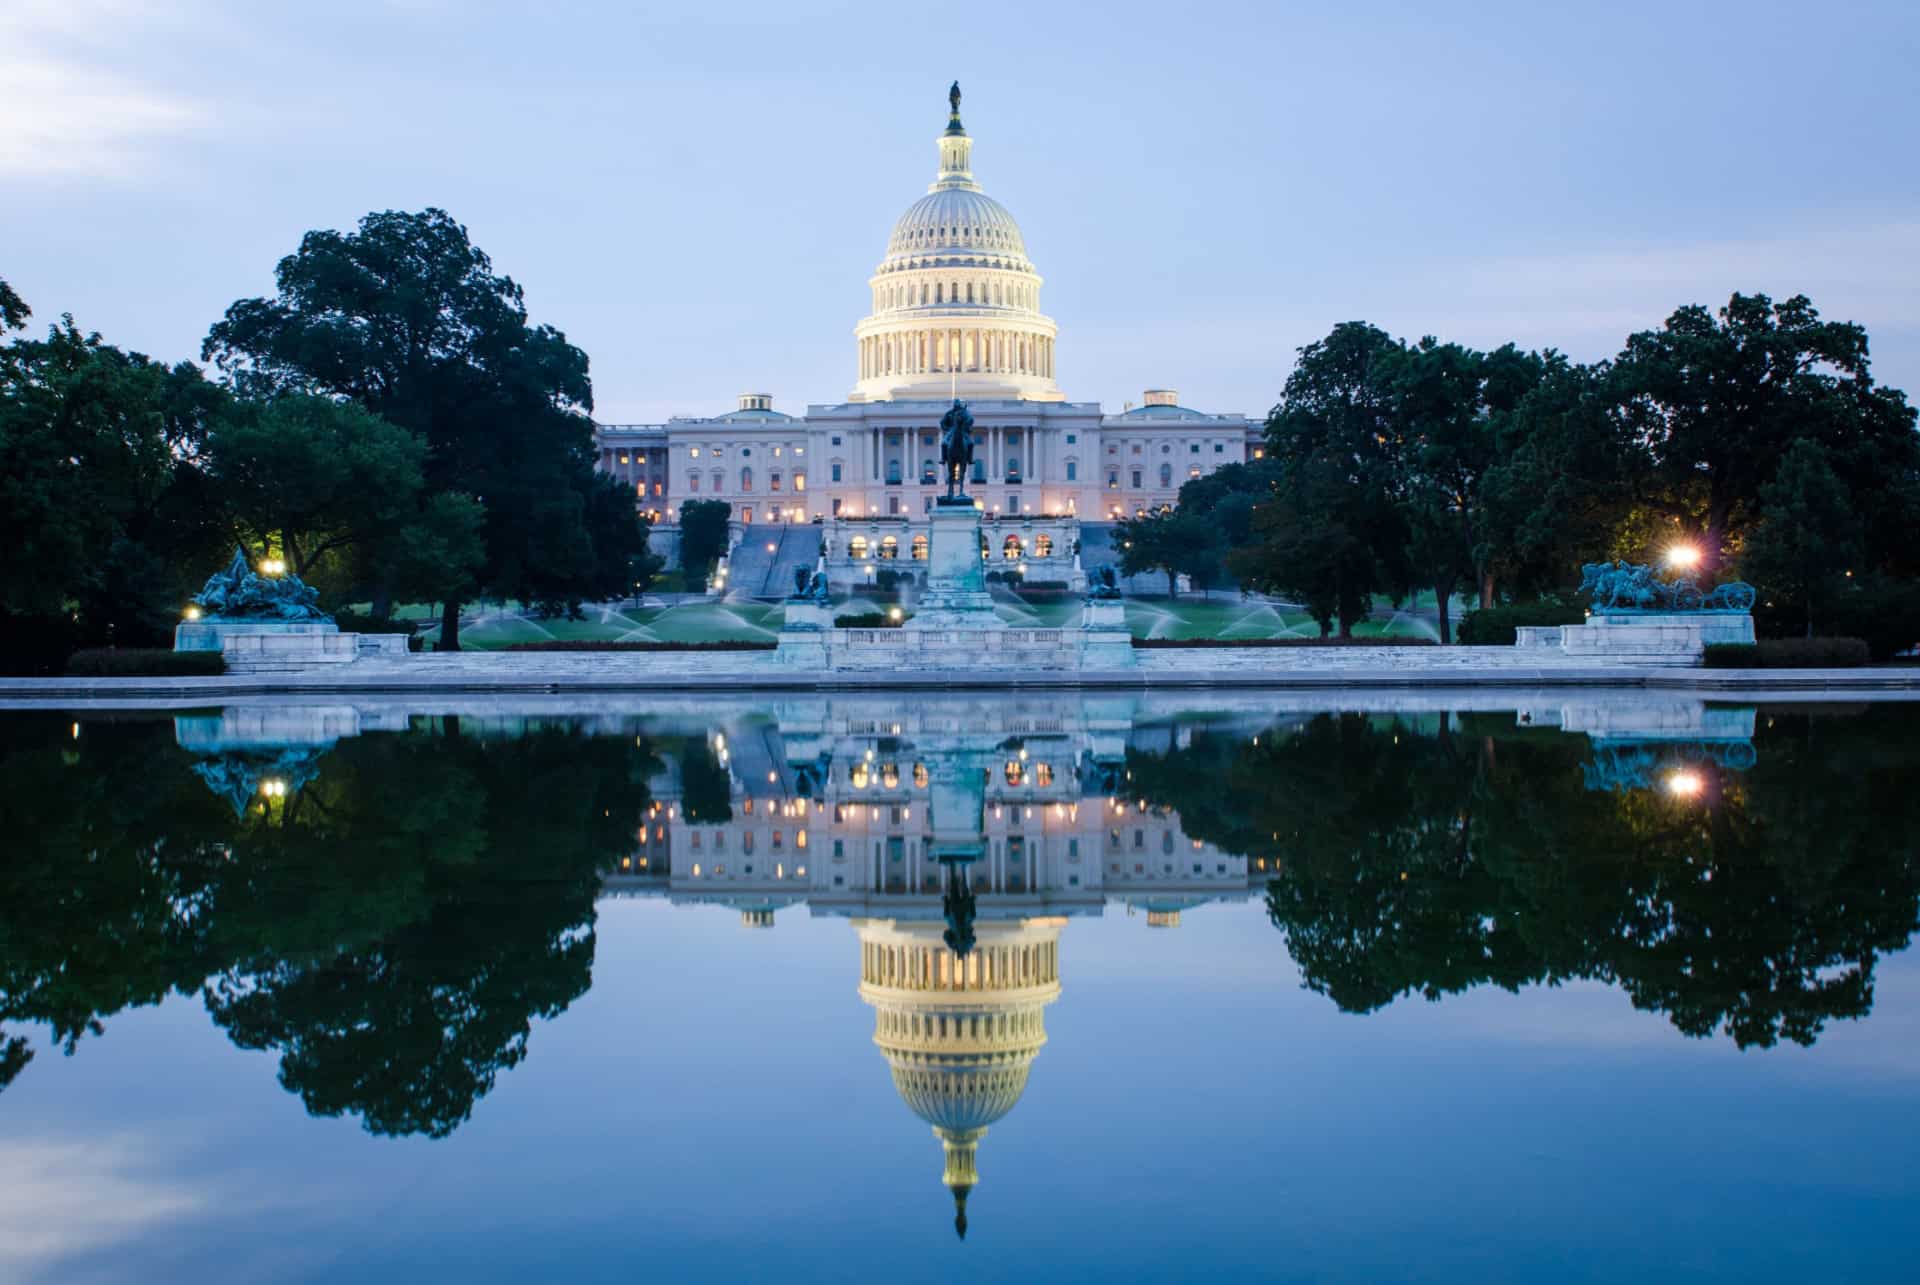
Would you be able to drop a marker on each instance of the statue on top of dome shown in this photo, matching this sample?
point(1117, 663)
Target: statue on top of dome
point(953, 99)
point(956, 449)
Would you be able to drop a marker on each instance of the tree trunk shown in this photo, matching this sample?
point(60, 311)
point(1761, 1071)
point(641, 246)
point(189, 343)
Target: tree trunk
point(382, 606)
point(449, 627)
point(1173, 583)
point(1443, 600)
point(1486, 589)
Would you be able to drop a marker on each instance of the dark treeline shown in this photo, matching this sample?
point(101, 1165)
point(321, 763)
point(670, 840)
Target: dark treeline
point(1433, 856)
point(388, 422)
point(1755, 434)
point(390, 925)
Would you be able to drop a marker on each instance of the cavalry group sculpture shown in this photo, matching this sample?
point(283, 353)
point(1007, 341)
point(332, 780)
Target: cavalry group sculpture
point(1624, 586)
point(239, 594)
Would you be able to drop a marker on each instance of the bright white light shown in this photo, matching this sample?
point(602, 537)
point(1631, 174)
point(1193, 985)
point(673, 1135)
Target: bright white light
point(1683, 557)
point(1685, 784)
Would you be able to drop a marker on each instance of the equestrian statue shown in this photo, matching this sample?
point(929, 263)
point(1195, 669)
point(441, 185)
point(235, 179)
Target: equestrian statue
point(956, 448)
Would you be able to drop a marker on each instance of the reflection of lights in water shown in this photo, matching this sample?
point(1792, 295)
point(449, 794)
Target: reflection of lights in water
point(1685, 784)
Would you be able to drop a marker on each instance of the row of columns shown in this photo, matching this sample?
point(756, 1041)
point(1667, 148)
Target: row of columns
point(925, 968)
point(990, 449)
point(920, 352)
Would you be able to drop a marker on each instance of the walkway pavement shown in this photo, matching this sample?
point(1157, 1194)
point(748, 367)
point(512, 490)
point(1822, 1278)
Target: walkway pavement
point(1277, 668)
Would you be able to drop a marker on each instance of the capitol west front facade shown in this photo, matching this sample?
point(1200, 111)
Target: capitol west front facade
point(956, 311)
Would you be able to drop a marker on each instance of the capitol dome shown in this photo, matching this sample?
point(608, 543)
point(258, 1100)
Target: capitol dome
point(956, 301)
point(958, 221)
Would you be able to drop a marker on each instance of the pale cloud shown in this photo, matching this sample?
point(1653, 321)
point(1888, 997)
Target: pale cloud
point(65, 1199)
point(68, 111)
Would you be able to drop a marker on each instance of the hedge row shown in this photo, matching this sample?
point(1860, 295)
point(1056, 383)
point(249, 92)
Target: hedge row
point(1148, 644)
point(868, 620)
point(1788, 653)
point(722, 644)
point(352, 622)
point(1495, 626)
point(143, 662)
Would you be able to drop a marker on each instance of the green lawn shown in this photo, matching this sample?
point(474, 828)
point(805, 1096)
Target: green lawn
point(1219, 617)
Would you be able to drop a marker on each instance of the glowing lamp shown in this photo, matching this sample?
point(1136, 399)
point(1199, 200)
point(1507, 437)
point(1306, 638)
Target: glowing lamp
point(1685, 784)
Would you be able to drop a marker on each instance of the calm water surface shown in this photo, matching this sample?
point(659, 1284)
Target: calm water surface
point(1604, 989)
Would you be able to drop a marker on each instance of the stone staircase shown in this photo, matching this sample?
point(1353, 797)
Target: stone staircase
point(763, 563)
point(799, 547)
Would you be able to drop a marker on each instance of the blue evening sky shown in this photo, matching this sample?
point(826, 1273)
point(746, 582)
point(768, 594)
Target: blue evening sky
point(697, 192)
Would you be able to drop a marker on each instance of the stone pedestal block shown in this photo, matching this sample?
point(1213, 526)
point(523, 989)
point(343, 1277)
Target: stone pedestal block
point(804, 634)
point(956, 595)
point(1105, 642)
point(1679, 637)
point(210, 635)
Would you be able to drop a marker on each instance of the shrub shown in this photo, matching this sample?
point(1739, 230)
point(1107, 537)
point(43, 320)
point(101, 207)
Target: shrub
point(869, 620)
point(143, 662)
point(352, 622)
point(718, 644)
point(1788, 653)
point(1495, 626)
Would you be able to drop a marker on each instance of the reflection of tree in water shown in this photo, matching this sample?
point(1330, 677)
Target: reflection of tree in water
point(392, 929)
point(1430, 859)
point(110, 843)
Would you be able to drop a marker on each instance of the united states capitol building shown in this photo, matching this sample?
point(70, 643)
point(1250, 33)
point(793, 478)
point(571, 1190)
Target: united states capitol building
point(956, 313)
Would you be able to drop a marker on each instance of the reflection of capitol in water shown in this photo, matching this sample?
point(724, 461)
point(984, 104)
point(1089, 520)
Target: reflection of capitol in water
point(959, 1034)
point(977, 824)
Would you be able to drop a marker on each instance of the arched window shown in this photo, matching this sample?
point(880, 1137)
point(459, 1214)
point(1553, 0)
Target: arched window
point(893, 472)
point(857, 548)
point(1011, 548)
point(746, 479)
point(1013, 468)
point(889, 548)
point(1073, 470)
point(800, 482)
point(938, 291)
point(773, 481)
point(919, 553)
point(693, 483)
point(719, 483)
point(1166, 475)
point(1043, 546)
point(1113, 479)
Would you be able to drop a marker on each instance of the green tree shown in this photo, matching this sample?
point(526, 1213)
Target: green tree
point(406, 317)
point(1719, 399)
point(703, 537)
point(1314, 543)
point(13, 309)
point(106, 511)
point(1333, 532)
point(315, 476)
point(1808, 536)
point(1174, 542)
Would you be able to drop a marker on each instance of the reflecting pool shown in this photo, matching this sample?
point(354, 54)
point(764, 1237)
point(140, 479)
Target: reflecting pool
point(1593, 988)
